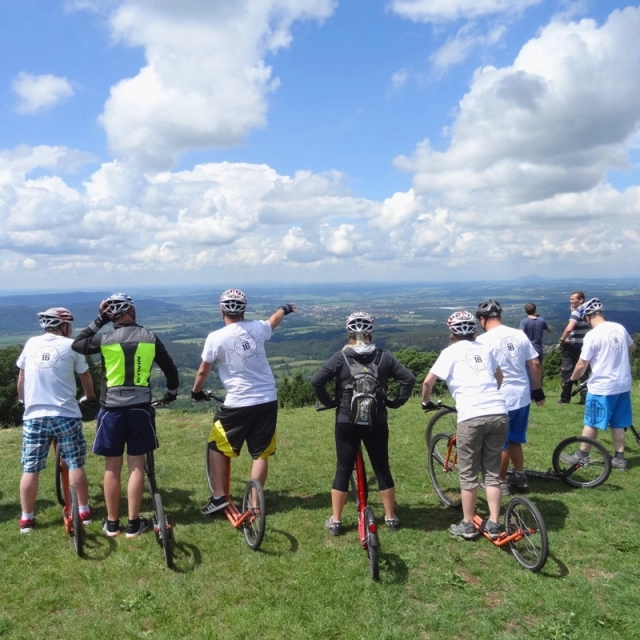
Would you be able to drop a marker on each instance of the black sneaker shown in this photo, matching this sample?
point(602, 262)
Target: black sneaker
point(137, 527)
point(393, 524)
point(214, 504)
point(334, 528)
point(111, 527)
point(518, 480)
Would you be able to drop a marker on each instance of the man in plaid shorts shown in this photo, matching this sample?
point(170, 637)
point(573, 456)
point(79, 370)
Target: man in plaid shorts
point(47, 389)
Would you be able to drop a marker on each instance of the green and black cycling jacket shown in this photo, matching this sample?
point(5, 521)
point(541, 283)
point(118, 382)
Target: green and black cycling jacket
point(128, 354)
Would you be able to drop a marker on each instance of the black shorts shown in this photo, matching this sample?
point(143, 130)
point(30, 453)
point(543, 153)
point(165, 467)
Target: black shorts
point(255, 424)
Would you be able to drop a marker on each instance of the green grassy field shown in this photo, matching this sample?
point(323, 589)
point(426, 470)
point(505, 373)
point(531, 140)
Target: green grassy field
point(304, 584)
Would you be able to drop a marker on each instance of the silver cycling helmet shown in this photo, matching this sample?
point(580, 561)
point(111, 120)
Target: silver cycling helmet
point(233, 302)
point(360, 322)
point(54, 317)
point(118, 304)
point(462, 323)
point(590, 307)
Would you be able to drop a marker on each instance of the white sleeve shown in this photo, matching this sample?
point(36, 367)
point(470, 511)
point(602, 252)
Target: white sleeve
point(210, 350)
point(81, 363)
point(442, 366)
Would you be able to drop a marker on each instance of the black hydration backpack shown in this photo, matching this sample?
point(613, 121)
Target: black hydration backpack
point(366, 392)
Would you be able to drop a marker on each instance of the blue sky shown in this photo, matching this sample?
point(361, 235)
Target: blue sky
point(154, 142)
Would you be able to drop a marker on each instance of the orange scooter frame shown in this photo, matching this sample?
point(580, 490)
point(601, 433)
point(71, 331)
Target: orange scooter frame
point(68, 499)
point(251, 517)
point(525, 533)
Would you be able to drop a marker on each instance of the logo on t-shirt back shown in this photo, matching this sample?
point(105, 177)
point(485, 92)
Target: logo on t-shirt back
point(476, 359)
point(615, 340)
point(245, 346)
point(46, 357)
point(510, 347)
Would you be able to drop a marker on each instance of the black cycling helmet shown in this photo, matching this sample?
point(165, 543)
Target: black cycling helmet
point(489, 309)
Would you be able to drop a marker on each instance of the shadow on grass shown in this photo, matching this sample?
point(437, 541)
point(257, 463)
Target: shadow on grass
point(285, 501)
point(97, 546)
point(186, 557)
point(558, 571)
point(393, 569)
point(283, 544)
point(178, 504)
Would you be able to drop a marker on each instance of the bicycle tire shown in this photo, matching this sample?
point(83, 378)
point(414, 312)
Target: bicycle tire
point(589, 475)
point(446, 483)
point(532, 550)
point(162, 530)
point(373, 545)
point(207, 466)
point(59, 482)
point(78, 528)
point(445, 424)
point(254, 526)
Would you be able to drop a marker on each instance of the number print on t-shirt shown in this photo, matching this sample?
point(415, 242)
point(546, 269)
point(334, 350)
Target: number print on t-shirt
point(477, 359)
point(510, 347)
point(46, 357)
point(245, 346)
point(615, 340)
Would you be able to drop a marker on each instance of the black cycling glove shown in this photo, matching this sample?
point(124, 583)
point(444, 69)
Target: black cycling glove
point(537, 395)
point(287, 308)
point(429, 406)
point(200, 396)
point(168, 397)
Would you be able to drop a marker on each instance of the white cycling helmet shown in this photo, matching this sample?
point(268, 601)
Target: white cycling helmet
point(118, 304)
point(233, 302)
point(54, 317)
point(360, 322)
point(590, 307)
point(462, 323)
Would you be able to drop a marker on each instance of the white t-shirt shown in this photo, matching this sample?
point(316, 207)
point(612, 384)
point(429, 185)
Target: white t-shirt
point(512, 349)
point(468, 368)
point(238, 349)
point(49, 366)
point(606, 348)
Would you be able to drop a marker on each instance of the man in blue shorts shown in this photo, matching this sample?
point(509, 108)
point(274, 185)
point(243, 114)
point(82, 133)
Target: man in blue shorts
point(250, 409)
point(519, 363)
point(47, 389)
point(606, 349)
point(126, 416)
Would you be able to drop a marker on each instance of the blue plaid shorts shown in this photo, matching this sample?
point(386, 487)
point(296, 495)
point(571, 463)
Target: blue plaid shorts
point(37, 435)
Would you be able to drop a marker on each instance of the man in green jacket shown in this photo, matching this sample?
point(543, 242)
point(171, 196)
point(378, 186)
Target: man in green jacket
point(126, 415)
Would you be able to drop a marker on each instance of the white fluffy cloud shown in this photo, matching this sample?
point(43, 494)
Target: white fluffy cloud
point(206, 82)
point(446, 10)
point(519, 183)
point(36, 93)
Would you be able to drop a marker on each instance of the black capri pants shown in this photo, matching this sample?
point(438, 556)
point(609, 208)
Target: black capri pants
point(376, 441)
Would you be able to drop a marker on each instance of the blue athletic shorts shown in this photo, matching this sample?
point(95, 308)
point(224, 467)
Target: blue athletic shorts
point(37, 435)
point(518, 423)
point(613, 411)
point(133, 426)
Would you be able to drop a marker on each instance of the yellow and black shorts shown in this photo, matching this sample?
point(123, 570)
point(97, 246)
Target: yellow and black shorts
point(255, 424)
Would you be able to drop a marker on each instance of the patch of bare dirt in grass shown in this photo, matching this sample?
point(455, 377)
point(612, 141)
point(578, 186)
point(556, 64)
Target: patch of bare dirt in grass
point(493, 602)
point(468, 577)
point(595, 575)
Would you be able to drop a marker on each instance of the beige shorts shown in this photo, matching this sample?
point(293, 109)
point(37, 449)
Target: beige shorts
point(479, 442)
